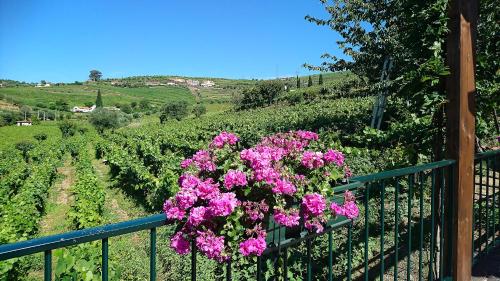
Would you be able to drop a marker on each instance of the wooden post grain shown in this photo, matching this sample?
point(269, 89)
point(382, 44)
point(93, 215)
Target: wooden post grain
point(461, 92)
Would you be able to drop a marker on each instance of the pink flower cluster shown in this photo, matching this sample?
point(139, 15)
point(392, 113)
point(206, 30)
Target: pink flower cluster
point(349, 209)
point(224, 138)
point(235, 178)
point(223, 187)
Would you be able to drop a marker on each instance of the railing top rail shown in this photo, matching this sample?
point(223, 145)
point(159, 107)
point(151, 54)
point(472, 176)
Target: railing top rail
point(404, 171)
point(486, 154)
point(18, 249)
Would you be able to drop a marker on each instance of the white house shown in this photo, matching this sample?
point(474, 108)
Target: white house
point(83, 109)
point(193, 83)
point(39, 85)
point(208, 84)
point(24, 123)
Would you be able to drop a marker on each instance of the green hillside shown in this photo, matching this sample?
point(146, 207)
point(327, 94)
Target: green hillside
point(78, 95)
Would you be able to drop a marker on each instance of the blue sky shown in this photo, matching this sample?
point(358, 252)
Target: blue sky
point(60, 41)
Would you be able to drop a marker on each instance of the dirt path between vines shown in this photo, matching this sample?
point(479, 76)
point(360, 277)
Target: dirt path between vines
point(59, 201)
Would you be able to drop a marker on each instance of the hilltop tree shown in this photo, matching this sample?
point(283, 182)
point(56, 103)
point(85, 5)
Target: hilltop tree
point(98, 100)
point(309, 82)
point(199, 109)
point(298, 82)
point(320, 81)
point(43, 82)
point(95, 75)
point(174, 110)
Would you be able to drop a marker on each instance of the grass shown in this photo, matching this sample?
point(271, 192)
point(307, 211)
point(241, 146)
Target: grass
point(10, 135)
point(78, 95)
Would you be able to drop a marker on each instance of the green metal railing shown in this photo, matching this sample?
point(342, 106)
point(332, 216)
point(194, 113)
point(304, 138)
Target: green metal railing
point(399, 235)
point(486, 215)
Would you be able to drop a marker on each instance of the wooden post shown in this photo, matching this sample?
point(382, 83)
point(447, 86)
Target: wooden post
point(461, 92)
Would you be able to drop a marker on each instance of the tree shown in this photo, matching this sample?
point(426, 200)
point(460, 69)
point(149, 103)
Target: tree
point(298, 82)
point(265, 93)
point(320, 81)
point(126, 108)
point(67, 128)
point(25, 147)
point(98, 100)
point(174, 110)
point(43, 82)
point(95, 75)
point(309, 81)
point(144, 104)
point(62, 105)
point(199, 109)
point(103, 119)
point(25, 111)
point(40, 137)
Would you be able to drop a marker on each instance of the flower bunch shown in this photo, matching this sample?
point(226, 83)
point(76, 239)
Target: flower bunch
point(227, 195)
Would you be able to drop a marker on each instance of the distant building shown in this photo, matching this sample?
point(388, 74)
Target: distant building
point(39, 85)
point(171, 84)
point(178, 80)
point(208, 84)
point(153, 83)
point(24, 123)
point(83, 109)
point(193, 83)
point(111, 108)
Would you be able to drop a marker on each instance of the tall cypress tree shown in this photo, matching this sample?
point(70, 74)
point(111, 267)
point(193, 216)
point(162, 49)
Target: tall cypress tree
point(320, 79)
point(309, 82)
point(98, 101)
point(298, 82)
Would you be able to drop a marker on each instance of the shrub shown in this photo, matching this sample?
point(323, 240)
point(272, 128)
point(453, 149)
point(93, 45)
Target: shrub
point(226, 194)
point(40, 137)
point(199, 110)
point(25, 147)
point(103, 119)
point(174, 110)
point(265, 93)
point(67, 128)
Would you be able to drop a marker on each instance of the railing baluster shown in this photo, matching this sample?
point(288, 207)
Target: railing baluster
point(330, 256)
point(47, 274)
point(259, 268)
point(193, 261)
point(229, 275)
point(441, 231)
point(366, 230)
point(152, 254)
point(309, 261)
point(285, 264)
point(408, 263)
point(349, 252)
point(480, 201)
point(421, 211)
point(382, 234)
point(433, 211)
point(105, 269)
point(487, 205)
point(396, 230)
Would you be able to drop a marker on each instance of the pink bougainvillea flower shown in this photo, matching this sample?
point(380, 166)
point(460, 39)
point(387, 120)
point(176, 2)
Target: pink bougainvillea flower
point(255, 210)
point(349, 196)
point(179, 244)
point(312, 160)
point(224, 138)
point(207, 189)
point(253, 246)
point(186, 163)
point(235, 178)
point(188, 181)
point(185, 198)
point(314, 204)
point(314, 225)
point(351, 210)
point(223, 205)
point(173, 212)
point(307, 135)
point(198, 215)
point(211, 245)
point(334, 156)
point(347, 172)
point(203, 160)
point(337, 210)
point(289, 220)
point(284, 187)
